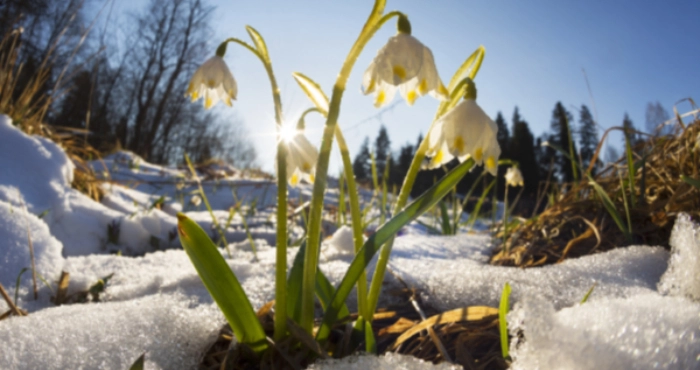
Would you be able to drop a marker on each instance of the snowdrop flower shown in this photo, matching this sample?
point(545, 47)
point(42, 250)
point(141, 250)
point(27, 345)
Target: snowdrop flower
point(196, 200)
point(514, 177)
point(403, 63)
point(213, 81)
point(301, 158)
point(464, 132)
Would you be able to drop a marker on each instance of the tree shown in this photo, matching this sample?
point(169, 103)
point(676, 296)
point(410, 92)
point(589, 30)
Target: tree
point(656, 115)
point(522, 149)
point(382, 152)
point(629, 131)
point(588, 138)
point(361, 164)
point(400, 168)
point(503, 135)
point(562, 137)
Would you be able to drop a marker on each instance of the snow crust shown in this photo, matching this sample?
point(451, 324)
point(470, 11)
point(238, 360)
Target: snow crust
point(643, 313)
point(390, 361)
point(683, 275)
point(171, 331)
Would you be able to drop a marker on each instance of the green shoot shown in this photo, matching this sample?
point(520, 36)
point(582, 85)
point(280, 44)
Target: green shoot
point(503, 308)
point(588, 293)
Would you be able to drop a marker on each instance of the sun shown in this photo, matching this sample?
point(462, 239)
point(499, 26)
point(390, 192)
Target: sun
point(287, 132)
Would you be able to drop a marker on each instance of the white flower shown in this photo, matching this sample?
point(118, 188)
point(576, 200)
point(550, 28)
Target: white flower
point(463, 132)
point(213, 81)
point(301, 159)
point(514, 177)
point(403, 63)
point(196, 200)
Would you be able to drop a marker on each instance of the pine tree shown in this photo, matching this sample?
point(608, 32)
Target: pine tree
point(382, 152)
point(522, 149)
point(561, 136)
point(655, 116)
point(588, 136)
point(361, 164)
point(629, 131)
point(503, 135)
point(403, 163)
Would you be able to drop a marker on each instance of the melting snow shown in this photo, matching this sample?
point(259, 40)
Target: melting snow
point(643, 312)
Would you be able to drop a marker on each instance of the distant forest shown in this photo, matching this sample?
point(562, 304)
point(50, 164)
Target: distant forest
point(538, 163)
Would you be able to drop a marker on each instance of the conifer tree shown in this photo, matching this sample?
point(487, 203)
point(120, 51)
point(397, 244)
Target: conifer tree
point(630, 132)
point(382, 152)
point(561, 137)
point(588, 138)
point(522, 149)
point(361, 164)
point(503, 135)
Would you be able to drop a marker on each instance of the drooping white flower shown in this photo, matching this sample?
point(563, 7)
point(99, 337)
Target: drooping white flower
point(404, 63)
point(301, 158)
point(196, 200)
point(213, 81)
point(464, 132)
point(514, 177)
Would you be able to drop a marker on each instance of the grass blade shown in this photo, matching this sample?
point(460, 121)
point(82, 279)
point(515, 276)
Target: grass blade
point(222, 284)
point(588, 293)
point(477, 207)
point(385, 232)
point(503, 308)
point(631, 170)
point(445, 216)
point(138, 364)
point(691, 181)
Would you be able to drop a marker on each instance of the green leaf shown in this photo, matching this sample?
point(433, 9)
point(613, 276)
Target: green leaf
point(469, 68)
point(370, 342)
point(385, 232)
point(503, 308)
point(610, 207)
point(138, 364)
point(313, 91)
point(222, 284)
point(477, 208)
point(631, 170)
point(588, 294)
point(259, 42)
point(691, 181)
point(446, 227)
point(324, 288)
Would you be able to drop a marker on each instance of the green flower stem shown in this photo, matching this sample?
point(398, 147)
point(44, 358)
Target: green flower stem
point(281, 248)
point(355, 212)
point(315, 218)
point(383, 259)
point(505, 220)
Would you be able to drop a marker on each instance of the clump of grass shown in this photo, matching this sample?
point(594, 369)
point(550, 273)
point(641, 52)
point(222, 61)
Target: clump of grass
point(646, 189)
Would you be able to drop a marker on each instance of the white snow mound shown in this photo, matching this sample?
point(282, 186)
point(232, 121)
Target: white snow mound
point(683, 275)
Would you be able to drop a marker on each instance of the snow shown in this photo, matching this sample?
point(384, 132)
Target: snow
point(643, 313)
point(169, 329)
point(683, 275)
point(390, 361)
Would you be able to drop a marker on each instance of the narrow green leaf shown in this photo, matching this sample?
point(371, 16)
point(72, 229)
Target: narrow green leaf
point(385, 232)
point(477, 208)
point(503, 308)
point(588, 294)
point(313, 91)
point(691, 181)
point(221, 283)
point(138, 364)
point(370, 342)
point(446, 227)
point(631, 170)
point(258, 41)
point(610, 207)
point(324, 288)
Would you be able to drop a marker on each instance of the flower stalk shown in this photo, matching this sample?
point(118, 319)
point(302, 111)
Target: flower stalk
point(281, 248)
point(373, 23)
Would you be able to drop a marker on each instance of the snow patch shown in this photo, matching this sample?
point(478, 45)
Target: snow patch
point(683, 275)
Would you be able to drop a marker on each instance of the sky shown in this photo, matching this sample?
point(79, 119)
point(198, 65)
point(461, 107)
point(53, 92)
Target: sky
point(633, 53)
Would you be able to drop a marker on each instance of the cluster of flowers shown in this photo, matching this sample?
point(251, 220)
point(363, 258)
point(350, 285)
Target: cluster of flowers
point(403, 64)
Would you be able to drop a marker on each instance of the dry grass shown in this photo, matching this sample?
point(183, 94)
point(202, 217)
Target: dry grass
point(469, 337)
point(578, 224)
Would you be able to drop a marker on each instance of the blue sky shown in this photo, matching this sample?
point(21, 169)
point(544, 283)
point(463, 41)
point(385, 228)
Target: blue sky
point(633, 52)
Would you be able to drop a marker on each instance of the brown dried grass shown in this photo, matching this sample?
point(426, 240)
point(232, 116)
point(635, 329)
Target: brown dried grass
point(577, 224)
